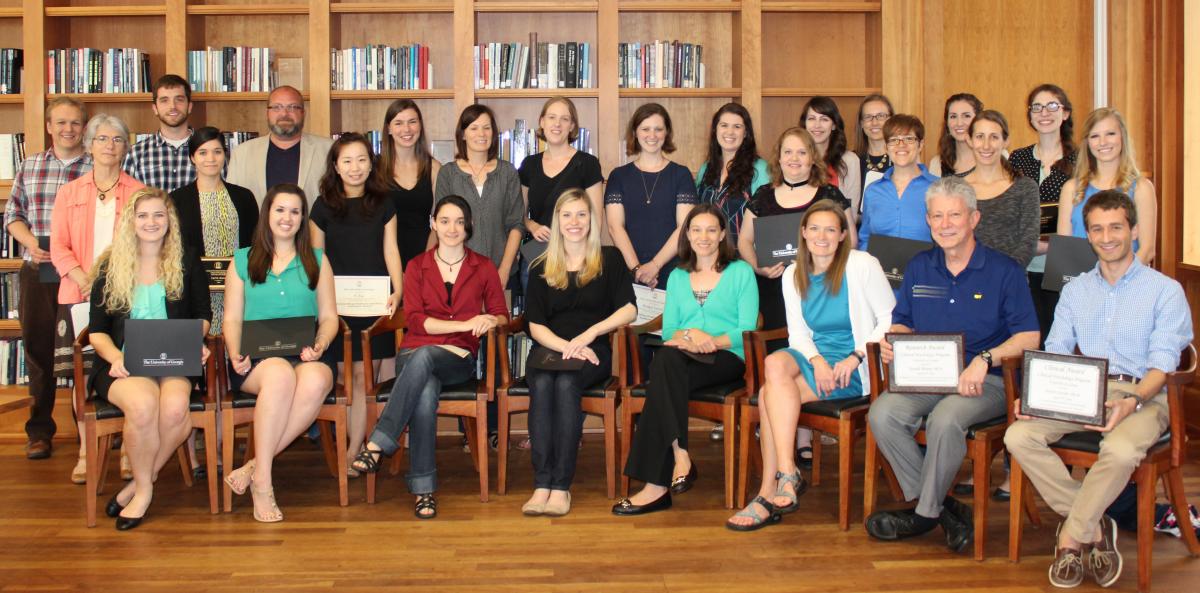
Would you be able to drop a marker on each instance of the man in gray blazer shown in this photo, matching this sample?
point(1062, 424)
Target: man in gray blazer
point(287, 155)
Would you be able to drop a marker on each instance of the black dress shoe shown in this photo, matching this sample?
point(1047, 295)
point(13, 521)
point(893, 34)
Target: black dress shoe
point(113, 508)
point(126, 523)
point(1001, 495)
point(895, 525)
point(958, 522)
point(682, 484)
point(626, 508)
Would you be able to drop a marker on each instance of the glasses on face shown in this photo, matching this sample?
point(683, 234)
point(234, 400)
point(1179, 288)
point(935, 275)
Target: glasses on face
point(876, 117)
point(898, 140)
point(280, 108)
point(117, 140)
point(1052, 107)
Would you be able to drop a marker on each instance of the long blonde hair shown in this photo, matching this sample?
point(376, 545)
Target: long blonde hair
point(1085, 164)
point(120, 261)
point(555, 256)
point(804, 264)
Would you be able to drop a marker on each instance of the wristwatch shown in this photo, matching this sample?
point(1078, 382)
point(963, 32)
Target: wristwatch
point(1140, 402)
point(860, 356)
point(986, 355)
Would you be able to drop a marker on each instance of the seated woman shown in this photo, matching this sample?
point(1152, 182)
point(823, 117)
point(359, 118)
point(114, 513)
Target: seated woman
point(145, 274)
point(444, 291)
point(838, 299)
point(578, 293)
point(711, 299)
point(279, 275)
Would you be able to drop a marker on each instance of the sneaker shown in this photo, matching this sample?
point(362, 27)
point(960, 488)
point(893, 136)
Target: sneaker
point(1067, 569)
point(1105, 561)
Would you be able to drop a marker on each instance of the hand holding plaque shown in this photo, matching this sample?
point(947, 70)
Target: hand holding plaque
point(1064, 387)
point(925, 363)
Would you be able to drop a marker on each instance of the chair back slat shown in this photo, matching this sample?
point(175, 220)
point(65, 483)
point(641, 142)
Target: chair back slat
point(877, 370)
point(1176, 383)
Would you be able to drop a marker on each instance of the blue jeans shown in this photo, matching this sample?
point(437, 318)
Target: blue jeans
point(413, 404)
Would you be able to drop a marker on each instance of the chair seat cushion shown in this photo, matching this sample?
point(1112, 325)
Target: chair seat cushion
point(1088, 441)
point(241, 399)
point(974, 428)
point(520, 388)
point(465, 391)
point(106, 410)
point(830, 408)
point(715, 394)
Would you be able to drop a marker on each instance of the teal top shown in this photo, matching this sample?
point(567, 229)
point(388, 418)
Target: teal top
point(733, 205)
point(283, 295)
point(828, 317)
point(149, 302)
point(730, 309)
point(761, 175)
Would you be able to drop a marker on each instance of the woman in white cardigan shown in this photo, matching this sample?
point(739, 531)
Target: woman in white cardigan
point(837, 300)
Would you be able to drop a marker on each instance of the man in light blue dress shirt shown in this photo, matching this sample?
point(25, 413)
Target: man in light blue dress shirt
point(1139, 320)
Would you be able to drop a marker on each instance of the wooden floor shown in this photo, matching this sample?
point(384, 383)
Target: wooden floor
point(44, 545)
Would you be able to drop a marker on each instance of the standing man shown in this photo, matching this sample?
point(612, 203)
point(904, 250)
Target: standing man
point(162, 160)
point(287, 155)
point(27, 217)
point(1139, 320)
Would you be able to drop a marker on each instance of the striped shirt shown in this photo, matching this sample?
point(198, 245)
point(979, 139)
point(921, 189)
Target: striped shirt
point(1141, 323)
point(156, 163)
point(34, 188)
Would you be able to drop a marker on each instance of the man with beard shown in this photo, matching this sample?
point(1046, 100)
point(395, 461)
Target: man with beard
point(287, 155)
point(162, 160)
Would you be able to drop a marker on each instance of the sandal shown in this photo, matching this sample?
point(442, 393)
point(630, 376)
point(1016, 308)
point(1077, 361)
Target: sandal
point(235, 478)
point(425, 502)
point(799, 487)
point(367, 461)
point(773, 516)
point(276, 514)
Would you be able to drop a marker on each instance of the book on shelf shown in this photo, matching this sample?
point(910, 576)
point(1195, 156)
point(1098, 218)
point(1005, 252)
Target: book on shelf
point(12, 152)
point(88, 70)
point(12, 69)
point(660, 65)
point(380, 67)
point(540, 65)
point(237, 69)
point(232, 139)
point(10, 287)
point(374, 137)
point(521, 141)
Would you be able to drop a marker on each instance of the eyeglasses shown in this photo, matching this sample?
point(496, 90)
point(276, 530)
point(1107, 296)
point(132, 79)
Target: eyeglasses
point(1052, 107)
point(876, 117)
point(279, 108)
point(117, 140)
point(898, 140)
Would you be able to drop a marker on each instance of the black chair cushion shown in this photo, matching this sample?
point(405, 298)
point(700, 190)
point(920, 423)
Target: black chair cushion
point(1088, 441)
point(715, 394)
point(520, 388)
point(106, 410)
point(830, 408)
point(465, 391)
point(242, 399)
point(974, 428)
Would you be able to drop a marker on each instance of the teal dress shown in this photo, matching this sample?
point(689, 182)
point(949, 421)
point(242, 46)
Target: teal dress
point(828, 316)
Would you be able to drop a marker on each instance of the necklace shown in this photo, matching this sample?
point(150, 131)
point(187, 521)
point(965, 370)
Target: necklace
point(649, 191)
point(476, 173)
point(449, 265)
point(105, 191)
point(796, 185)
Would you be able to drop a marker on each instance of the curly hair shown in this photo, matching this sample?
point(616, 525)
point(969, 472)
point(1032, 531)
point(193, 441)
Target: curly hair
point(741, 168)
point(119, 263)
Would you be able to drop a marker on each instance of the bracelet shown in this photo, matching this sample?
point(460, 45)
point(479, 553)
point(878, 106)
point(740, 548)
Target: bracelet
point(634, 269)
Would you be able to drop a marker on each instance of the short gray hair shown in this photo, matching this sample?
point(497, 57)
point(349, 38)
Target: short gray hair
point(952, 187)
point(104, 119)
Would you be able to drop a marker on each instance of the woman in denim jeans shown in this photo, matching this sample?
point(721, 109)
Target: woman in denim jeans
point(445, 289)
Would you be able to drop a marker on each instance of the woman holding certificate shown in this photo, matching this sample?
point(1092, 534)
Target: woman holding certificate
point(354, 221)
point(280, 275)
point(711, 300)
point(578, 294)
point(145, 274)
point(838, 299)
point(446, 289)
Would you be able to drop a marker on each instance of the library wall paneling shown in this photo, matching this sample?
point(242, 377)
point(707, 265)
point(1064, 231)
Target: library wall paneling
point(781, 113)
point(690, 117)
point(363, 115)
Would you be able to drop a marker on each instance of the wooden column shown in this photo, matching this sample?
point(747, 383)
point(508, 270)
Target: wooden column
point(748, 70)
point(175, 37)
point(33, 26)
point(904, 54)
point(608, 122)
point(319, 110)
point(464, 61)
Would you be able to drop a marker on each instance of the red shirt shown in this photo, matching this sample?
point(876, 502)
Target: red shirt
point(476, 290)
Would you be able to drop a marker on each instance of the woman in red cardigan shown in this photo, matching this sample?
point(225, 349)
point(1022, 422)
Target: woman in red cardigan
point(452, 295)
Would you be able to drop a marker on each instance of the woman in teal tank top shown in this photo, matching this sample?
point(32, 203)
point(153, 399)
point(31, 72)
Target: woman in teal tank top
point(145, 274)
point(280, 275)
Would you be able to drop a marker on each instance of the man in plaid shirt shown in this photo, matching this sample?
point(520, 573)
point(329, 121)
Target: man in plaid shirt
point(162, 160)
point(27, 217)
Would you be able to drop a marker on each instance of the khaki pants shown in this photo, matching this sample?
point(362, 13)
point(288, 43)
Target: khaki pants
point(1121, 450)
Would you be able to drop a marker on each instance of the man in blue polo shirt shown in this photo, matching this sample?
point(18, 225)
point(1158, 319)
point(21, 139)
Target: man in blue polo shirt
point(959, 286)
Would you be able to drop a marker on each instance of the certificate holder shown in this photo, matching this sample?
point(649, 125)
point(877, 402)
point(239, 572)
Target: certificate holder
point(46, 272)
point(362, 296)
point(925, 362)
point(163, 347)
point(216, 268)
point(776, 238)
point(287, 336)
point(1064, 387)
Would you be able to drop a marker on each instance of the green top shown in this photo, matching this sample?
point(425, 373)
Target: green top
point(762, 175)
point(283, 295)
point(730, 309)
point(149, 301)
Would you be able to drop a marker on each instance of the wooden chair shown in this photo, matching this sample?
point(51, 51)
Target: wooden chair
point(717, 403)
point(467, 400)
point(237, 409)
point(846, 418)
point(984, 441)
point(1163, 461)
point(599, 399)
point(101, 420)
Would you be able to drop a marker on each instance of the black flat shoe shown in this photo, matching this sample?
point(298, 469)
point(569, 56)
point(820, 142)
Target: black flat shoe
point(626, 508)
point(682, 484)
point(896, 525)
point(125, 523)
point(963, 489)
point(114, 508)
point(801, 460)
point(1001, 495)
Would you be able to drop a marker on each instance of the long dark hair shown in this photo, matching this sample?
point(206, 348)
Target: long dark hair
point(387, 154)
point(741, 168)
point(862, 143)
point(262, 248)
point(725, 251)
point(947, 149)
point(1066, 133)
point(837, 138)
point(997, 118)
point(333, 192)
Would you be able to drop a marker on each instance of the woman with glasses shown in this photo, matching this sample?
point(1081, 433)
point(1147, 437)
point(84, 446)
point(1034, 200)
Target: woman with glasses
point(870, 147)
point(822, 119)
point(954, 155)
point(895, 205)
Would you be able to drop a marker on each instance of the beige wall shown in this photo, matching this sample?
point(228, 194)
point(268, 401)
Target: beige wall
point(1191, 141)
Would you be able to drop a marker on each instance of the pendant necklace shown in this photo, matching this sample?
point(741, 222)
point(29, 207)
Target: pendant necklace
point(449, 265)
point(649, 191)
point(105, 191)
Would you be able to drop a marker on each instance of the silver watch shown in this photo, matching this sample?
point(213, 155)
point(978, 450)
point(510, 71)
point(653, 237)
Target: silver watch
point(1140, 402)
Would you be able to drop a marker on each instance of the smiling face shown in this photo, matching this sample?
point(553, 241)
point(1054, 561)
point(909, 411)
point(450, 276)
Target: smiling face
point(1110, 235)
point(353, 167)
point(557, 124)
point(730, 132)
point(1046, 121)
point(109, 146)
point(65, 126)
point(172, 106)
point(209, 159)
point(1104, 140)
point(478, 135)
point(150, 220)
point(651, 134)
point(958, 120)
point(903, 148)
point(285, 113)
point(705, 235)
point(405, 128)
point(795, 161)
point(575, 221)
point(988, 142)
point(951, 223)
point(823, 234)
point(286, 216)
point(819, 126)
point(450, 225)
point(874, 115)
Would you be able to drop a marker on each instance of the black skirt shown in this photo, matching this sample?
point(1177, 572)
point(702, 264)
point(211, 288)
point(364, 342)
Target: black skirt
point(382, 346)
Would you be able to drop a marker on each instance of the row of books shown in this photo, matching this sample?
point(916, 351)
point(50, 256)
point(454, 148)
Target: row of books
point(12, 62)
point(12, 152)
point(537, 65)
point(9, 247)
point(518, 350)
point(12, 362)
point(237, 69)
point(521, 141)
point(380, 67)
point(660, 65)
point(10, 287)
point(87, 70)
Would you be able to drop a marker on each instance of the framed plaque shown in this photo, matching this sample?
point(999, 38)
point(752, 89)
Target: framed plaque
point(1064, 387)
point(216, 267)
point(925, 363)
point(1049, 219)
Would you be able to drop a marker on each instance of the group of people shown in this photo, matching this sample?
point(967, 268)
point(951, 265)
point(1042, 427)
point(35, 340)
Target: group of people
point(127, 226)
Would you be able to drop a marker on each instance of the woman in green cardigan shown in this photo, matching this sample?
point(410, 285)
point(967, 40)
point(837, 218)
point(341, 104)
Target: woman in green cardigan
point(711, 299)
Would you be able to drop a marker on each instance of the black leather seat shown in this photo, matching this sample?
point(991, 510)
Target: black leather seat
point(830, 408)
point(520, 388)
point(465, 391)
point(715, 394)
point(1089, 441)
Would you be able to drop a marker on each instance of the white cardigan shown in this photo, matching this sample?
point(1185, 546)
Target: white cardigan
point(871, 304)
